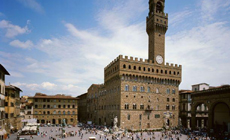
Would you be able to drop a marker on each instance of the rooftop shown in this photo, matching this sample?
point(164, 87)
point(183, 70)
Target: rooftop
point(13, 87)
point(4, 70)
point(57, 96)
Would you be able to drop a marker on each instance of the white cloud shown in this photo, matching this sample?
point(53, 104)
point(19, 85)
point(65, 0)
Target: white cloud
point(178, 17)
point(49, 88)
point(77, 60)
point(48, 85)
point(33, 4)
point(13, 30)
point(24, 45)
point(16, 74)
point(210, 7)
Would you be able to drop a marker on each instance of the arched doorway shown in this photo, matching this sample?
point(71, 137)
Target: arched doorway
point(53, 121)
point(42, 121)
point(221, 119)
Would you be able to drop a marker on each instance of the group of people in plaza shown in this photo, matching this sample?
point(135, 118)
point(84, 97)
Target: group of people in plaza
point(58, 133)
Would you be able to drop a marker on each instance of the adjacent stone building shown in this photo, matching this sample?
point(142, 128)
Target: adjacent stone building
point(211, 109)
point(143, 94)
point(12, 108)
point(3, 72)
point(82, 108)
point(53, 109)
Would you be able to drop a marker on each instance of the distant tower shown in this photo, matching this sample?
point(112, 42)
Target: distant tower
point(157, 25)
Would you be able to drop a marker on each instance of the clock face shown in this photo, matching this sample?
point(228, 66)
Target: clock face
point(159, 59)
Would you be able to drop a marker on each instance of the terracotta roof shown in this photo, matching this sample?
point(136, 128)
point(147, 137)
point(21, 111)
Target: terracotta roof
point(13, 87)
point(4, 70)
point(58, 96)
point(82, 95)
point(185, 91)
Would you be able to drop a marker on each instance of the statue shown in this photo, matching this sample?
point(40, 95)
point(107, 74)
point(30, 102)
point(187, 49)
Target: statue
point(64, 123)
point(115, 121)
point(167, 115)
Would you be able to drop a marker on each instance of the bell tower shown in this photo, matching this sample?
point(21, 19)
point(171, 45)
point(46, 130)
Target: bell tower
point(157, 25)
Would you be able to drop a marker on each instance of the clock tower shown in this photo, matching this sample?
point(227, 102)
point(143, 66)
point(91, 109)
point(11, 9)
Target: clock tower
point(157, 25)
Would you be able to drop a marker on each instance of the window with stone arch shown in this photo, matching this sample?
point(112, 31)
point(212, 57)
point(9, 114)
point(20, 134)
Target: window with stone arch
point(168, 91)
point(129, 67)
point(124, 66)
point(173, 100)
point(142, 89)
point(134, 106)
point(157, 90)
point(126, 106)
point(167, 107)
point(126, 87)
point(149, 89)
point(173, 91)
point(134, 68)
point(159, 7)
point(139, 68)
point(173, 107)
point(134, 88)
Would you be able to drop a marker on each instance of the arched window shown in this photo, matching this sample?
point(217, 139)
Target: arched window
point(134, 88)
point(139, 68)
point(129, 67)
point(168, 91)
point(124, 66)
point(157, 70)
point(159, 7)
point(126, 106)
point(167, 107)
point(54, 112)
point(134, 106)
point(144, 68)
point(142, 89)
point(64, 112)
point(157, 90)
point(68, 112)
point(59, 112)
point(173, 107)
point(173, 100)
point(48, 112)
point(134, 68)
point(149, 90)
point(173, 91)
point(161, 71)
point(126, 87)
point(73, 112)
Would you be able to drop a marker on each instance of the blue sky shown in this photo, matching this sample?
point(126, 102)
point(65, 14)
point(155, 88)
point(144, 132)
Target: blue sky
point(56, 46)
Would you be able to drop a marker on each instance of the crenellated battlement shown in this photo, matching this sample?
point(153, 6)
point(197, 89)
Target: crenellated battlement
point(140, 60)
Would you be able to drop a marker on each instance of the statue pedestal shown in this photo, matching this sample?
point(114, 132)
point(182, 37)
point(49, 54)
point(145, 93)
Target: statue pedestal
point(115, 129)
point(166, 127)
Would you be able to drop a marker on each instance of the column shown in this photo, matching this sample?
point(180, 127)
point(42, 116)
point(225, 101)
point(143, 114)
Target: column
point(193, 120)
